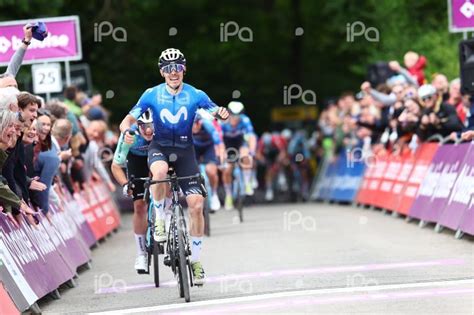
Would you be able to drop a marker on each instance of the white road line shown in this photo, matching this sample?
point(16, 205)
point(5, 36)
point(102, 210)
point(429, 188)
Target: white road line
point(285, 295)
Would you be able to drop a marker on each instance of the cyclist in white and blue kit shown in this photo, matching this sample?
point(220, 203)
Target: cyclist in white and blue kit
point(133, 155)
point(174, 106)
point(209, 151)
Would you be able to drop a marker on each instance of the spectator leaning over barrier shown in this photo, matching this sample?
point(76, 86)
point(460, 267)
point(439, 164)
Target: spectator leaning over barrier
point(441, 84)
point(30, 138)
point(47, 162)
point(14, 167)
point(61, 134)
point(455, 99)
point(92, 162)
point(437, 116)
point(409, 119)
point(9, 200)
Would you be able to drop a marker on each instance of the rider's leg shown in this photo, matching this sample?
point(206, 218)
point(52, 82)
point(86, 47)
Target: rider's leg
point(159, 169)
point(211, 171)
point(186, 165)
point(140, 224)
point(246, 163)
point(269, 176)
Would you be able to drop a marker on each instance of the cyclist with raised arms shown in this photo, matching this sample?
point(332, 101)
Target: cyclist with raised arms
point(241, 142)
point(174, 106)
point(134, 155)
point(209, 147)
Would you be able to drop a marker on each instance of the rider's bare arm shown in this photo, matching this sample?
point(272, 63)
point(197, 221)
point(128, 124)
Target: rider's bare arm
point(127, 122)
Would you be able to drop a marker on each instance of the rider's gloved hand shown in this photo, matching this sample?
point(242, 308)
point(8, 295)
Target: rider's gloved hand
point(126, 190)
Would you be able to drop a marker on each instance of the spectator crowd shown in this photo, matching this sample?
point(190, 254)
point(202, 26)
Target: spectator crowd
point(46, 147)
point(405, 110)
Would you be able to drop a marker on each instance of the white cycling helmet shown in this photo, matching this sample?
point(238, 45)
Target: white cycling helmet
point(171, 55)
point(286, 134)
point(235, 107)
point(426, 90)
point(146, 117)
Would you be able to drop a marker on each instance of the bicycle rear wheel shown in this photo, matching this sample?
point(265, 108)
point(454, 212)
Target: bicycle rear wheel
point(183, 277)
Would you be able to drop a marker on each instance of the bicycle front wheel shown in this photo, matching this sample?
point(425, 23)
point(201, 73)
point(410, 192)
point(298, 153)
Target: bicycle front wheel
point(183, 276)
point(156, 268)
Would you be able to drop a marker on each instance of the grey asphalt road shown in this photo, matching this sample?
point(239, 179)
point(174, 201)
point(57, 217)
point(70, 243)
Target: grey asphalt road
point(291, 258)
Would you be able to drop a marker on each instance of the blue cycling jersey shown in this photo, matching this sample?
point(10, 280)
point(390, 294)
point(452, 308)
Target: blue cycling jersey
point(207, 135)
point(298, 145)
point(244, 127)
point(173, 115)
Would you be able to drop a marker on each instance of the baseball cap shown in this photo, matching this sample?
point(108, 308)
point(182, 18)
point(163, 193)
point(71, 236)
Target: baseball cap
point(40, 32)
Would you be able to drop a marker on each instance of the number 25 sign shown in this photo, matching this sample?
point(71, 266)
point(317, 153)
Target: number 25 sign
point(47, 78)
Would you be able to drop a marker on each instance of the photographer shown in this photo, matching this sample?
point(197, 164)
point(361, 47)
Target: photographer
point(437, 117)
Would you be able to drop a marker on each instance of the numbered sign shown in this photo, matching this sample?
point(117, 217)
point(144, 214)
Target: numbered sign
point(47, 78)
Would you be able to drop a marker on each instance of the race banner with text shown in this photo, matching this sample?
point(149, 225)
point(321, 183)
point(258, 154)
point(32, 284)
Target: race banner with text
point(63, 42)
point(438, 182)
point(423, 157)
point(461, 195)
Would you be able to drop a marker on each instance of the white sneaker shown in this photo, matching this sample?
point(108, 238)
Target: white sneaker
point(269, 195)
point(141, 263)
point(215, 202)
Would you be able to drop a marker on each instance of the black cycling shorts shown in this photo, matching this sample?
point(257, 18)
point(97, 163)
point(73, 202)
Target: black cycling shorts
point(184, 162)
point(137, 166)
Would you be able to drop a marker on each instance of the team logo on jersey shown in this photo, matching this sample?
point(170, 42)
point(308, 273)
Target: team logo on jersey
point(165, 114)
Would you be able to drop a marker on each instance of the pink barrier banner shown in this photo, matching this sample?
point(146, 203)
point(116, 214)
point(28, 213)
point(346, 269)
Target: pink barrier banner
point(32, 251)
point(74, 207)
point(63, 41)
point(439, 181)
point(407, 161)
point(421, 160)
point(388, 181)
point(73, 248)
point(467, 221)
point(460, 198)
point(110, 208)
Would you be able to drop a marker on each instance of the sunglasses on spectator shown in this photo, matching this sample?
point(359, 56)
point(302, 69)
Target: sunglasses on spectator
point(426, 98)
point(173, 67)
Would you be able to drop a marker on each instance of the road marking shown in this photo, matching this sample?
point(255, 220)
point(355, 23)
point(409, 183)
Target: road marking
point(301, 293)
point(293, 272)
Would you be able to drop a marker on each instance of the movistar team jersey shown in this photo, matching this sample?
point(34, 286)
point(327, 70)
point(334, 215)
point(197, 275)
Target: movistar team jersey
point(173, 115)
point(139, 147)
point(244, 127)
point(207, 135)
point(297, 145)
